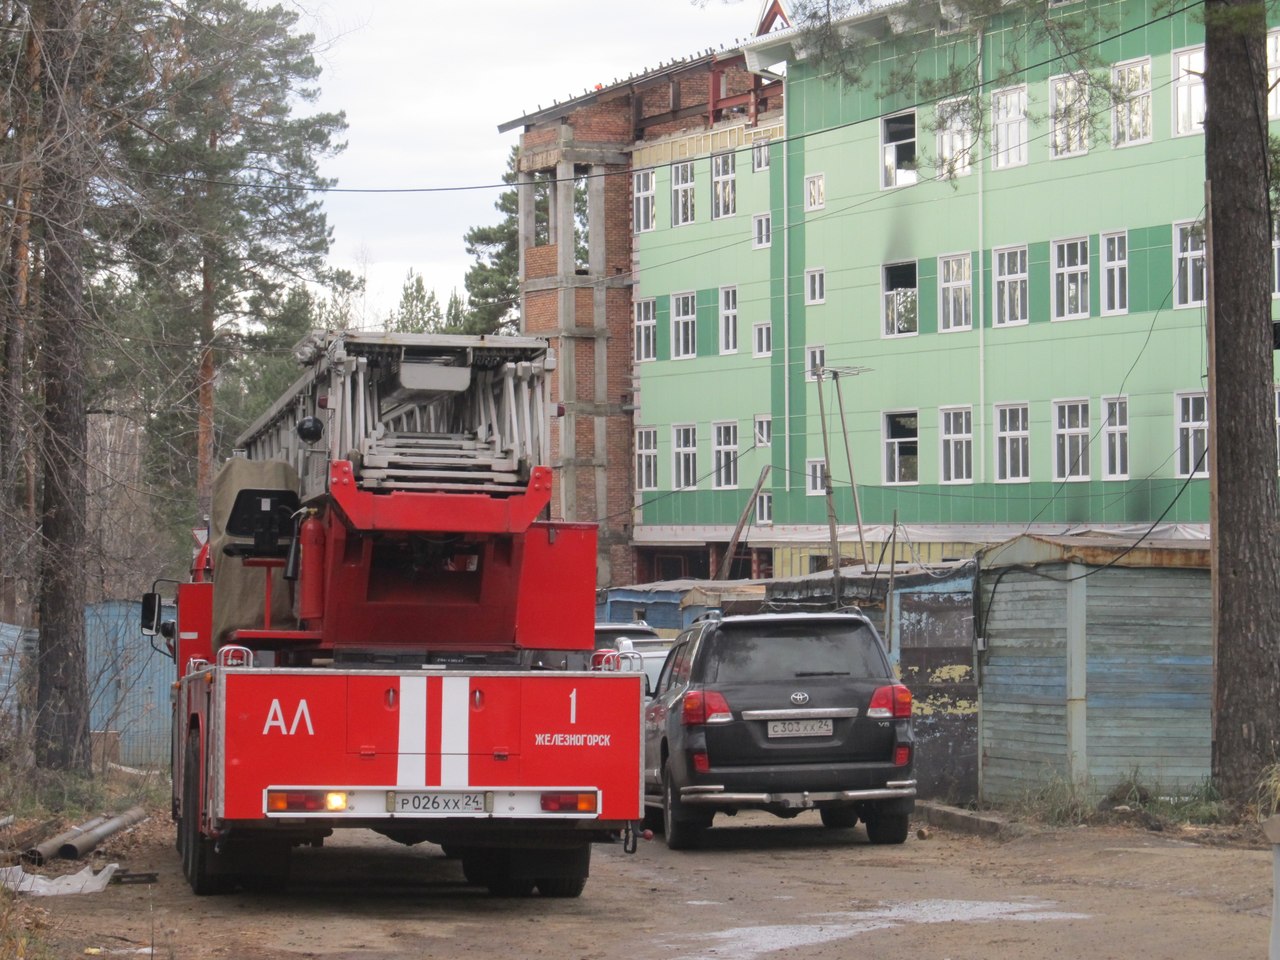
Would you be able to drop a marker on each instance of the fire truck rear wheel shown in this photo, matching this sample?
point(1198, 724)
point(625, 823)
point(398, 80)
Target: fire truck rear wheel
point(198, 851)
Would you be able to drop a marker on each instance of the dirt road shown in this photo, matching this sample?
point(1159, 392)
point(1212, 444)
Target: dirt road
point(761, 888)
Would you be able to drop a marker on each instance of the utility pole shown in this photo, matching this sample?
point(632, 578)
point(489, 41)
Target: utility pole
point(831, 506)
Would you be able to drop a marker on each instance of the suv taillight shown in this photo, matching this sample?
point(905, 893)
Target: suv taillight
point(890, 702)
point(705, 706)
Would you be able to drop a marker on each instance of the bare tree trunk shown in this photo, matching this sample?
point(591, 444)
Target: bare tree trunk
point(204, 414)
point(61, 740)
point(1247, 617)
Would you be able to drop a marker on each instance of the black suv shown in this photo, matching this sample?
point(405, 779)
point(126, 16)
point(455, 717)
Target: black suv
point(780, 712)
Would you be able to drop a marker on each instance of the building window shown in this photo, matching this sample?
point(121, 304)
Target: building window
point(642, 200)
point(762, 339)
point(1070, 279)
point(1115, 438)
point(955, 138)
point(1188, 91)
point(760, 155)
point(684, 466)
point(764, 509)
point(1275, 258)
point(684, 326)
point(957, 444)
point(1188, 253)
point(646, 330)
point(647, 458)
point(1193, 435)
point(1071, 440)
point(901, 308)
point(724, 195)
point(956, 289)
point(901, 447)
point(724, 451)
point(728, 319)
point(1131, 116)
point(1011, 286)
point(815, 472)
point(1013, 444)
point(681, 193)
point(1069, 111)
point(1278, 429)
point(815, 192)
point(1115, 273)
point(815, 286)
point(1009, 127)
point(761, 230)
point(1273, 74)
point(815, 360)
point(764, 430)
point(898, 149)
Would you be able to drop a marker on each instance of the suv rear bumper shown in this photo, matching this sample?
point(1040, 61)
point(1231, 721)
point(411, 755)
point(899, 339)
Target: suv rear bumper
point(717, 795)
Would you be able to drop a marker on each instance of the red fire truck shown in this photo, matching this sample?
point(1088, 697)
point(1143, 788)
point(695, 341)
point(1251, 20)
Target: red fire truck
point(381, 632)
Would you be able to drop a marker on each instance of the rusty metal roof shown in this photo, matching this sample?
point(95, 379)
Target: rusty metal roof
point(1097, 550)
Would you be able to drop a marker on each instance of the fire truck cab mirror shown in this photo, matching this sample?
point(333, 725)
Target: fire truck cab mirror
point(150, 614)
point(310, 429)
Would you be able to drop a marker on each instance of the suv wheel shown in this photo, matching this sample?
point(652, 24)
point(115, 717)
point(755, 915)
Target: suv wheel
point(883, 828)
point(839, 818)
point(681, 832)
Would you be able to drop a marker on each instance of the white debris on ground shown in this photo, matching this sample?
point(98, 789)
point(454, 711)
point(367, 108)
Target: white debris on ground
point(86, 881)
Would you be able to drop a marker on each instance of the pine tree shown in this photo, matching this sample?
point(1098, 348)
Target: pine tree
point(419, 310)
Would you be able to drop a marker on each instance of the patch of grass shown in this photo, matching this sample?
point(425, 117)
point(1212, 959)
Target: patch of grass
point(1267, 793)
point(1062, 802)
point(1058, 801)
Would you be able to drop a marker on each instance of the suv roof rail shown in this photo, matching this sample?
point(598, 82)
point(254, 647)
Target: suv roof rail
point(713, 614)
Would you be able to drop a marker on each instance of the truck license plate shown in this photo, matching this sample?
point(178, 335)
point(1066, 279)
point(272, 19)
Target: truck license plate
point(800, 728)
point(435, 802)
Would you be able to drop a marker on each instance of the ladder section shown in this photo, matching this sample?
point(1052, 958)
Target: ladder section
point(415, 412)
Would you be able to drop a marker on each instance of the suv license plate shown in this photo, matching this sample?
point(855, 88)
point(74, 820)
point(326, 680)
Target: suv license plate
point(436, 803)
point(800, 728)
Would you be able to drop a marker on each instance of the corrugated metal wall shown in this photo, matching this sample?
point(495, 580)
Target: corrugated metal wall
point(1147, 680)
point(129, 683)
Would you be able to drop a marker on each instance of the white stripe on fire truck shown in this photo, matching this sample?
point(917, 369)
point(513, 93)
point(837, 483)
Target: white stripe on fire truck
point(455, 732)
point(411, 765)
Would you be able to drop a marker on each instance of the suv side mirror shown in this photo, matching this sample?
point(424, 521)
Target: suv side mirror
point(150, 614)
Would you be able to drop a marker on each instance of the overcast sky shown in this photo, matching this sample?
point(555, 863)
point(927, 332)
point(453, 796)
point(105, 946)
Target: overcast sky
point(425, 85)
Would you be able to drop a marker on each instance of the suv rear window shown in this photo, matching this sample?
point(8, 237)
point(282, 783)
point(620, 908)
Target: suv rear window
point(755, 652)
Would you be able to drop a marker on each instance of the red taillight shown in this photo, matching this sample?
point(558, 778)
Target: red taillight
point(887, 702)
point(569, 802)
point(701, 762)
point(705, 706)
point(901, 756)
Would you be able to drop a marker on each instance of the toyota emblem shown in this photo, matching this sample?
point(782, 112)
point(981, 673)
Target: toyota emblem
point(799, 698)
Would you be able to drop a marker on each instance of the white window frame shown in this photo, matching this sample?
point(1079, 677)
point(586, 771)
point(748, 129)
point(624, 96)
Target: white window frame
point(1071, 435)
point(815, 478)
point(1273, 74)
point(728, 320)
point(815, 358)
point(1113, 249)
point(1009, 127)
point(898, 157)
point(646, 458)
point(683, 193)
point(646, 324)
point(764, 509)
point(684, 326)
point(1131, 81)
point(724, 187)
point(643, 200)
point(1115, 438)
point(724, 455)
point(1277, 409)
point(1067, 276)
point(759, 154)
point(1012, 439)
point(1193, 433)
point(1188, 91)
point(761, 231)
point(762, 340)
point(894, 458)
point(684, 456)
point(955, 433)
point(1068, 116)
point(955, 139)
point(955, 293)
point(762, 429)
point(815, 191)
point(1275, 258)
point(894, 303)
point(1011, 287)
point(1189, 265)
point(815, 286)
